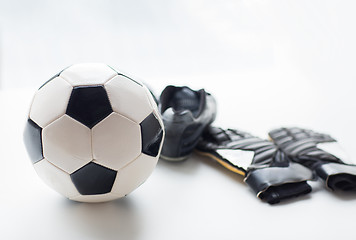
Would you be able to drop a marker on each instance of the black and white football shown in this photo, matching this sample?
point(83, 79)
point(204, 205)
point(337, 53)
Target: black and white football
point(93, 134)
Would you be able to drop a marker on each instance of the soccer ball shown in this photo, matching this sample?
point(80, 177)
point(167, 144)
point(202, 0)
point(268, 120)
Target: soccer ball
point(93, 134)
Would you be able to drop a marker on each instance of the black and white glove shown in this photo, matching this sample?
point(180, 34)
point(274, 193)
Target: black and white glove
point(320, 153)
point(267, 170)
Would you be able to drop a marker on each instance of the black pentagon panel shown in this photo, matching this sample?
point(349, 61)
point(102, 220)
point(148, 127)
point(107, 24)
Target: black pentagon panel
point(89, 105)
point(93, 179)
point(33, 141)
point(151, 135)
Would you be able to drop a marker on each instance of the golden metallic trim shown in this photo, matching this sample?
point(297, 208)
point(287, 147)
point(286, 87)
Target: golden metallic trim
point(223, 163)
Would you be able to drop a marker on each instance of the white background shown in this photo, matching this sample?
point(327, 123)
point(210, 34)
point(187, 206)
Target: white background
point(268, 63)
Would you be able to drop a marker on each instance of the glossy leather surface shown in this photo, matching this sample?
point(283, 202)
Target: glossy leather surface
point(93, 179)
point(89, 105)
point(33, 141)
point(151, 135)
point(185, 114)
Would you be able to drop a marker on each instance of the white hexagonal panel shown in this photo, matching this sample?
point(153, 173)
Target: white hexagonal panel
point(67, 144)
point(116, 141)
point(133, 175)
point(56, 178)
point(88, 74)
point(50, 102)
point(96, 198)
point(128, 98)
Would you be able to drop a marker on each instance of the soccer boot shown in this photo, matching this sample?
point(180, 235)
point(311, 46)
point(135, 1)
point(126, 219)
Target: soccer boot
point(268, 171)
point(320, 153)
point(185, 114)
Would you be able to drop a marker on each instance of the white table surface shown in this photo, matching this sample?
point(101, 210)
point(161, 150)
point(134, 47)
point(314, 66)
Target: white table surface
point(268, 63)
point(194, 199)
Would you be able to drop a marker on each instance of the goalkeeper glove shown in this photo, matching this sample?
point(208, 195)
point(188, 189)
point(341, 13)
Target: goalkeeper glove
point(267, 170)
point(320, 153)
